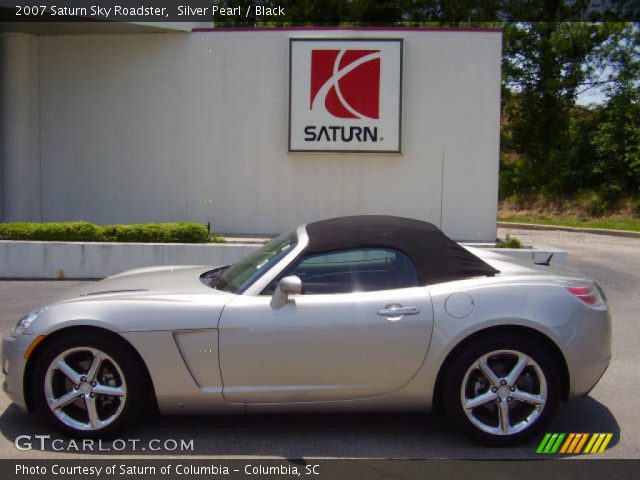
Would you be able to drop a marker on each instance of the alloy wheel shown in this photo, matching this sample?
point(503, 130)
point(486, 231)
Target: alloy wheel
point(85, 388)
point(504, 392)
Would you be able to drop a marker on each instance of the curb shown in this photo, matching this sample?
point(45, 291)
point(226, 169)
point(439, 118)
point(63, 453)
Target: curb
point(597, 231)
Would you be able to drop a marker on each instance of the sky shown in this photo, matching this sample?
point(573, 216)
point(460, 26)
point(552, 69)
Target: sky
point(595, 96)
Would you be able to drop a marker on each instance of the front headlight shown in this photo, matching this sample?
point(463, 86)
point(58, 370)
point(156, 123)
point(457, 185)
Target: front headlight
point(25, 321)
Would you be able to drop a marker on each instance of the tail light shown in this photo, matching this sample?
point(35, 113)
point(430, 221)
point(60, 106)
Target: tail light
point(586, 292)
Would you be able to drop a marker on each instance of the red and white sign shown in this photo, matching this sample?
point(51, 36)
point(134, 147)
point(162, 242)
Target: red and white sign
point(345, 95)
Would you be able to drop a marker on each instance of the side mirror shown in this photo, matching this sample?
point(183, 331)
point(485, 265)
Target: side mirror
point(290, 285)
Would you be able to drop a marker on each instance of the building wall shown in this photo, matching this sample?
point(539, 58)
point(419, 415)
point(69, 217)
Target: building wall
point(20, 192)
point(172, 127)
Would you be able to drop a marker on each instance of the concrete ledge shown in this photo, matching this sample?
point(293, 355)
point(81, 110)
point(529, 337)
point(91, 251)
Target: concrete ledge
point(98, 260)
point(536, 253)
point(21, 259)
point(597, 231)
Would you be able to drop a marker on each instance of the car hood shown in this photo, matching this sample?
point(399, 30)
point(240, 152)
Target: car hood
point(159, 298)
point(173, 280)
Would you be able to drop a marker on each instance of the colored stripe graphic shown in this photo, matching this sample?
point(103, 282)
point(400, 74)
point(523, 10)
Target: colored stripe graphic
point(543, 443)
point(556, 445)
point(593, 439)
point(605, 442)
point(599, 442)
point(552, 440)
point(596, 446)
point(581, 443)
point(553, 443)
point(568, 442)
point(574, 442)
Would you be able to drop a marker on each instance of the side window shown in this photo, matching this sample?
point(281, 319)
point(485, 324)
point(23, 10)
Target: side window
point(353, 270)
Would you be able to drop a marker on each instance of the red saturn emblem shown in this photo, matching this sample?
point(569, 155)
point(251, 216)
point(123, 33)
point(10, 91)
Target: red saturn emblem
point(346, 83)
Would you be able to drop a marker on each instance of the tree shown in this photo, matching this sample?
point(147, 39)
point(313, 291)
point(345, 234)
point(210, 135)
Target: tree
point(545, 66)
point(616, 139)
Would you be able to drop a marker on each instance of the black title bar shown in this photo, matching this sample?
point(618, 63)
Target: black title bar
point(316, 12)
point(187, 469)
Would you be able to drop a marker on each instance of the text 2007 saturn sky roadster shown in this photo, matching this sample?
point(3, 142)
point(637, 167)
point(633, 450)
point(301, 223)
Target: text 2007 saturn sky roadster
point(352, 313)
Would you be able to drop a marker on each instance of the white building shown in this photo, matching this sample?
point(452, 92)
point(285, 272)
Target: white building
point(128, 126)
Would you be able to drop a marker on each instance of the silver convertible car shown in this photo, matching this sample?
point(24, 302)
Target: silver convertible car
point(348, 314)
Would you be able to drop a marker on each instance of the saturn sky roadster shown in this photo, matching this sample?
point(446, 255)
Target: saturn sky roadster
point(347, 314)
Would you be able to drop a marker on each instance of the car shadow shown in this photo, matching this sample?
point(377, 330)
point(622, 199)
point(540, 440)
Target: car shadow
point(293, 436)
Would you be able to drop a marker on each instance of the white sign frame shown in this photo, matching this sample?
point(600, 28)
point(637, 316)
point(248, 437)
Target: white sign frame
point(388, 128)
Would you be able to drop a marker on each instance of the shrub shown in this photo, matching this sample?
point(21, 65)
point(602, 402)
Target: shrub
point(509, 242)
point(87, 232)
point(158, 233)
point(70, 231)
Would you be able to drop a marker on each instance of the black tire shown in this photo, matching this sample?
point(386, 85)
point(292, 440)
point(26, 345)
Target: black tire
point(137, 385)
point(455, 372)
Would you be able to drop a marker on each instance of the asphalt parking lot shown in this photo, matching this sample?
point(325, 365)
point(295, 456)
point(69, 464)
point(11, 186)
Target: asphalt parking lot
point(611, 407)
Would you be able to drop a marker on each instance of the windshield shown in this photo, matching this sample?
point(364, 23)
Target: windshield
point(238, 277)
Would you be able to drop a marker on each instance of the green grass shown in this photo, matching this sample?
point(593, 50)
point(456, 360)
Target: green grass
point(88, 232)
point(610, 223)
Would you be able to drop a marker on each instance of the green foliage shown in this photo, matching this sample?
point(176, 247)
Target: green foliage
point(509, 242)
point(616, 142)
point(217, 239)
point(160, 233)
point(545, 66)
point(551, 145)
point(514, 174)
point(87, 232)
point(70, 231)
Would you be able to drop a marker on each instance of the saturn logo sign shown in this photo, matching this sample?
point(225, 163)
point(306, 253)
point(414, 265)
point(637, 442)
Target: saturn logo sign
point(346, 83)
point(345, 94)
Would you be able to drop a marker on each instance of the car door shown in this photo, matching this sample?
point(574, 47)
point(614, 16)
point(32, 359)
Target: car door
point(361, 328)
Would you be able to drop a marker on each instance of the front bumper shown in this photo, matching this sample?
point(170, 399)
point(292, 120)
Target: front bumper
point(13, 367)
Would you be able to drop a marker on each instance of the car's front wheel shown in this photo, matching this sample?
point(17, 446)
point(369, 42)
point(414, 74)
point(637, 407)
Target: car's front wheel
point(88, 386)
point(501, 391)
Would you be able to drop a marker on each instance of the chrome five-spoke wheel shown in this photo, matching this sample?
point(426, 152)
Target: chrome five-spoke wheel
point(85, 388)
point(502, 388)
point(89, 383)
point(503, 392)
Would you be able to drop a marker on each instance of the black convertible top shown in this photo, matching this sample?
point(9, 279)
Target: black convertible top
point(437, 258)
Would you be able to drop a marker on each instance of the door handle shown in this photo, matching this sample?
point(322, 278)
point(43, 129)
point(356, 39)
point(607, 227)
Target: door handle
point(397, 311)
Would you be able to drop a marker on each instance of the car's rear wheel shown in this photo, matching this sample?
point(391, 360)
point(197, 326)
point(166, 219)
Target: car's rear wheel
point(501, 391)
point(87, 386)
